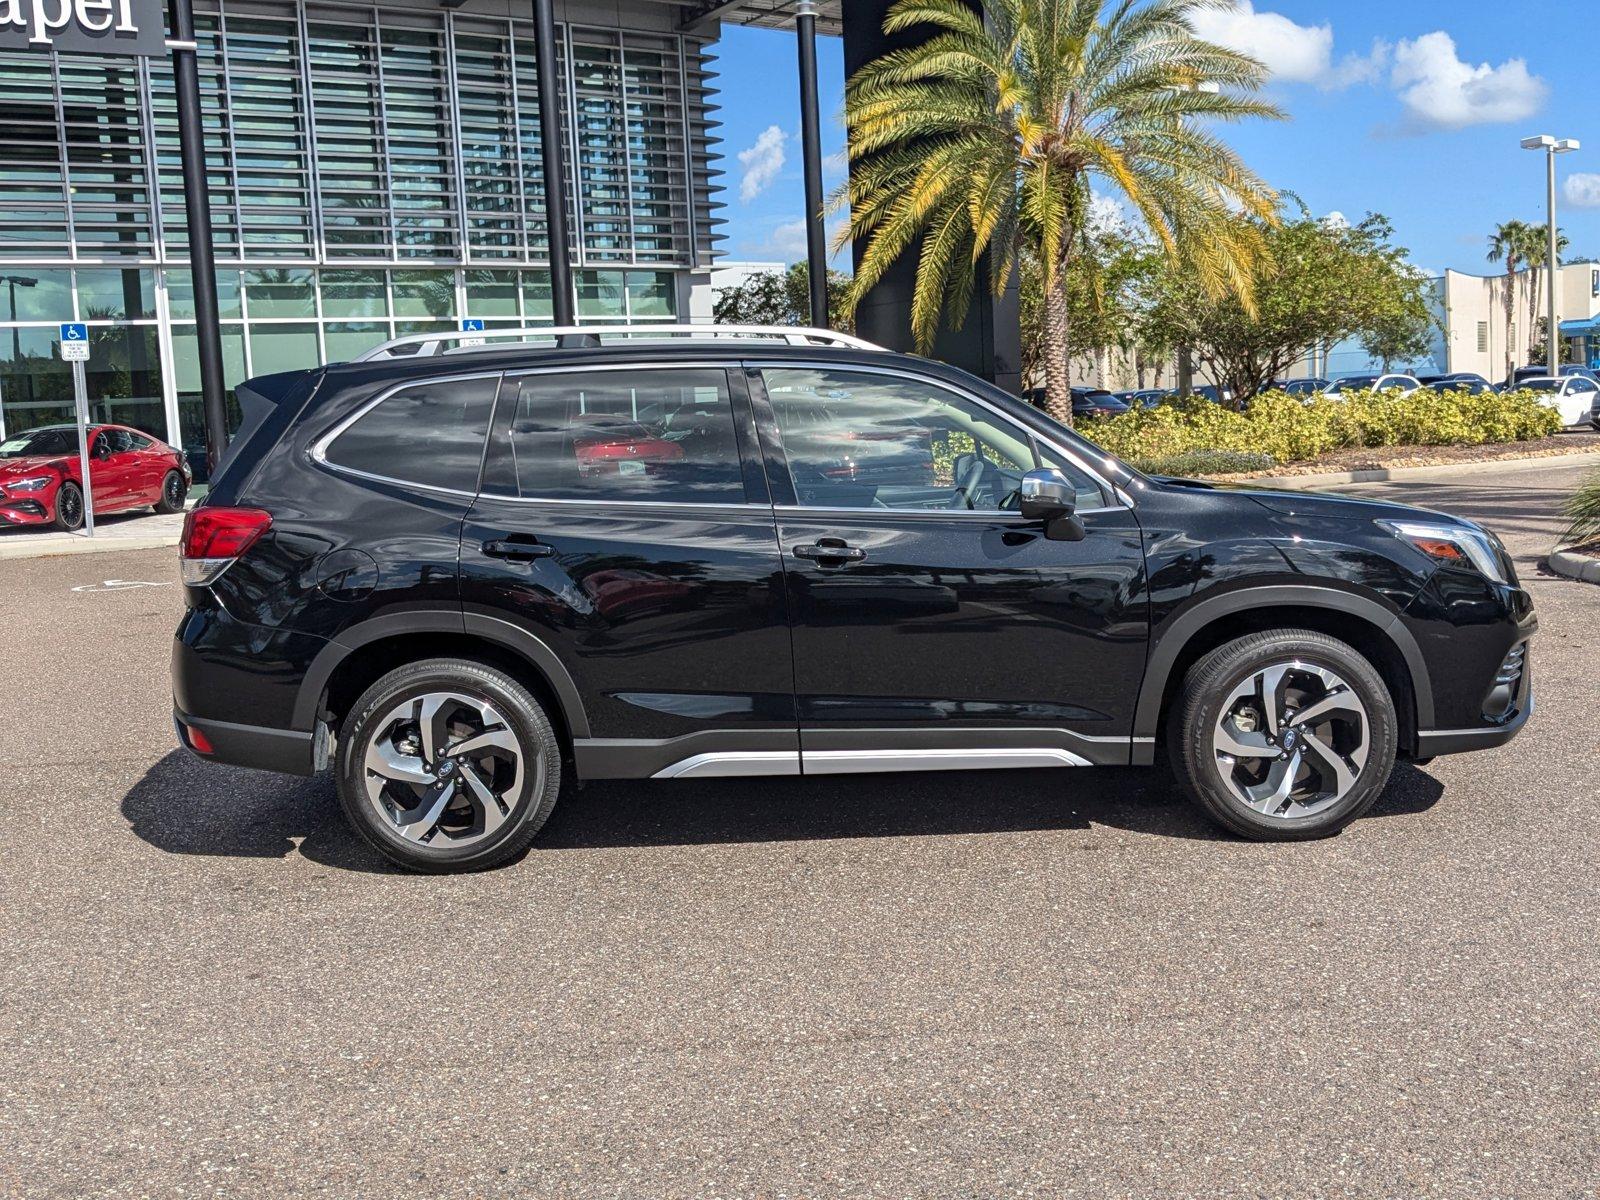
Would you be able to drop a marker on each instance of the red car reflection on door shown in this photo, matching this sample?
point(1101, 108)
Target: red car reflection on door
point(41, 483)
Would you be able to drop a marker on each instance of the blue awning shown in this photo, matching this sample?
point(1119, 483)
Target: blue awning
point(1588, 327)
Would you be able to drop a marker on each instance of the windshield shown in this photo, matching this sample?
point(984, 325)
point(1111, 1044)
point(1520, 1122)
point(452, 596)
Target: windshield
point(1542, 385)
point(39, 442)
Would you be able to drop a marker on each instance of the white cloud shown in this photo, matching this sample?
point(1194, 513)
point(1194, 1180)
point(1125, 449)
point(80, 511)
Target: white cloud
point(1293, 53)
point(1336, 220)
point(788, 240)
point(761, 163)
point(1582, 190)
point(1442, 92)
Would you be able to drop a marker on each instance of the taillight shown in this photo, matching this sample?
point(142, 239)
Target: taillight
point(214, 537)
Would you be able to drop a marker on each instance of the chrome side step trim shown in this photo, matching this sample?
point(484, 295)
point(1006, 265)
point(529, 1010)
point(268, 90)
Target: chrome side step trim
point(847, 762)
point(733, 763)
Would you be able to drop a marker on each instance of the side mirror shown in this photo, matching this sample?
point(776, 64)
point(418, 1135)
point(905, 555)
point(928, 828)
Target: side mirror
point(1047, 495)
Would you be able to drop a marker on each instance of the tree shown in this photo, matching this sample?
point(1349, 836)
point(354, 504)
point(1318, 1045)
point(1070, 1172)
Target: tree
point(783, 298)
point(1320, 283)
point(984, 140)
point(1537, 255)
point(1508, 243)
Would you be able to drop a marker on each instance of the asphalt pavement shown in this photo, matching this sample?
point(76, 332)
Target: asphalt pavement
point(980, 985)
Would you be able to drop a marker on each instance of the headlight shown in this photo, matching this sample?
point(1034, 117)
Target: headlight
point(1457, 544)
point(35, 483)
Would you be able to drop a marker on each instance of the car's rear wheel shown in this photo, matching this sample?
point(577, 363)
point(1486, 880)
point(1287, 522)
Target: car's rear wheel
point(448, 765)
point(173, 493)
point(69, 507)
point(1283, 736)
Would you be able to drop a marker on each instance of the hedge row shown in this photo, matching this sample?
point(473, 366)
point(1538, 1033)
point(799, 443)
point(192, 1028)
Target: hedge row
point(1293, 429)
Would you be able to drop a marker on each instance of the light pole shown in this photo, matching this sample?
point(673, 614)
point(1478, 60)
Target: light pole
point(1551, 147)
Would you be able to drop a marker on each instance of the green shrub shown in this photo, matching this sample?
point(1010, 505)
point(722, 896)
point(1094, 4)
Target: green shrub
point(1207, 462)
point(1583, 513)
point(1294, 429)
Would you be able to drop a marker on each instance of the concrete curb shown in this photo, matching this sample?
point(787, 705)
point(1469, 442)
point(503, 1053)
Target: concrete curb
point(1585, 458)
point(82, 545)
point(1574, 565)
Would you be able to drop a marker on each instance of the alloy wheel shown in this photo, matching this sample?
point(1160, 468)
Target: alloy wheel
point(444, 770)
point(1292, 740)
point(69, 505)
point(174, 490)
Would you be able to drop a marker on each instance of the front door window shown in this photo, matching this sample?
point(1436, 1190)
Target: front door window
point(870, 441)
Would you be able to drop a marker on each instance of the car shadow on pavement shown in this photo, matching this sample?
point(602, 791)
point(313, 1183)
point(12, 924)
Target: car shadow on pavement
point(185, 806)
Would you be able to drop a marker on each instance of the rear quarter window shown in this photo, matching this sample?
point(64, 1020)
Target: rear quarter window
point(430, 433)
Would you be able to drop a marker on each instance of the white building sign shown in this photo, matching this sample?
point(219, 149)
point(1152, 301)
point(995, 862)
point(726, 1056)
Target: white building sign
point(84, 26)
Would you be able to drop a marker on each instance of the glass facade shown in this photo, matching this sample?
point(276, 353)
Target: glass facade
point(373, 171)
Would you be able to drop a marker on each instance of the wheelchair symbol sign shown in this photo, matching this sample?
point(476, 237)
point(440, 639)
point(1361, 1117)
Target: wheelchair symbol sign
point(75, 343)
point(471, 324)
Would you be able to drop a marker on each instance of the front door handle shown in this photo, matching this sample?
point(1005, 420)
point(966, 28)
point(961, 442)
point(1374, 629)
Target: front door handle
point(824, 552)
point(515, 550)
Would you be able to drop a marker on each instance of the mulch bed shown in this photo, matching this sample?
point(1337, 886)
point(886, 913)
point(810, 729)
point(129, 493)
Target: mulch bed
point(1386, 457)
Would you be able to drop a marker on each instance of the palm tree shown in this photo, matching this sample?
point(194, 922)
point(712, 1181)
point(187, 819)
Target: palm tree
point(1509, 242)
point(987, 136)
point(1537, 254)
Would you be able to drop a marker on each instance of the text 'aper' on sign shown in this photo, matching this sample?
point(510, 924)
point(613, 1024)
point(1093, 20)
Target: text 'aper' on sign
point(84, 26)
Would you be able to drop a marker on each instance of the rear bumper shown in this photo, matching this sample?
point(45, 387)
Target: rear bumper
point(284, 750)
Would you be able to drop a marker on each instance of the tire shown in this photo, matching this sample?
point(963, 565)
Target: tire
point(1220, 708)
point(69, 507)
point(391, 809)
point(174, 491)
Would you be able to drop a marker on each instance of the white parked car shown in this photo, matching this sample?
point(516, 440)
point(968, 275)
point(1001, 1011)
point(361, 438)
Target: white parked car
point(1392, 382)
point(1571, 395)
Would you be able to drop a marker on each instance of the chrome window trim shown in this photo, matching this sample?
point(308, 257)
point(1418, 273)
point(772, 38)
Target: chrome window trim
point(1107, 486)
point(1009, 515)
point(318, 452)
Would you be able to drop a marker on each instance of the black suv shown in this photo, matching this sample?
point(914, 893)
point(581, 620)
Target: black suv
point(465, 575)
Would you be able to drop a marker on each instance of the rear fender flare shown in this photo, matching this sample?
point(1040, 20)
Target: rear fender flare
point(503, 634)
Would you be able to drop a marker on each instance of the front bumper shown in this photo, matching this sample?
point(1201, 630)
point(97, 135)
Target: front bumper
point(1433, 742)
point(24, 512)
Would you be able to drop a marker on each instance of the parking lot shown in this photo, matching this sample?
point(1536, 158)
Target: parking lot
point(1004, 984)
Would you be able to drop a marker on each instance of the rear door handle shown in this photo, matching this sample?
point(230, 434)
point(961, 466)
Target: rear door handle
point(517, 551)
point(822, 552)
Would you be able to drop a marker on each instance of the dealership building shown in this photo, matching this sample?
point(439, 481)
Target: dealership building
point(374, 171)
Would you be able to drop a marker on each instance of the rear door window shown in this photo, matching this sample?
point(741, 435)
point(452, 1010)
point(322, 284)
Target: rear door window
point(430, 433)
point(661, 436)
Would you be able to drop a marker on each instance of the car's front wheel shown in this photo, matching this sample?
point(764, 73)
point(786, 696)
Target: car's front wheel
point(69, 507)
point(174, 491)
point(1283, 736)
point(448, 765)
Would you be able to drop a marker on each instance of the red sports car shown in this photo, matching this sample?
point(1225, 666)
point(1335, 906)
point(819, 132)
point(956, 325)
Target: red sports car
point(40, 483)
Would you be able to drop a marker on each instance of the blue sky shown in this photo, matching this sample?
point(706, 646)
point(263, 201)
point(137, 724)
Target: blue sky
point(1412, 109)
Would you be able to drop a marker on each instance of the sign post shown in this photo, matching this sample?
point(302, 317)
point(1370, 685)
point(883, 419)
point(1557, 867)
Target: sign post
point(75, 350)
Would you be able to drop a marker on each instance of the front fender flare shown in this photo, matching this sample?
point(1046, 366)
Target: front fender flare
point(1181, 629)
